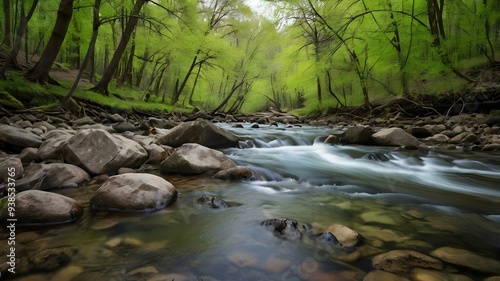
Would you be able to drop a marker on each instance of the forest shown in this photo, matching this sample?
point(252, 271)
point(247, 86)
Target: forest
point(233, 56)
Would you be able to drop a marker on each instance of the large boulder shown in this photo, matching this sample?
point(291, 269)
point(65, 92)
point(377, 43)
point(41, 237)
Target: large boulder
point(18, 138)
point(399, 261)
point(192, 158)
point(357, 135)
point(395, 137)
point(99, 152)
point(49, 176)
point(137, 192)
point(201, 132)
point(36, 207)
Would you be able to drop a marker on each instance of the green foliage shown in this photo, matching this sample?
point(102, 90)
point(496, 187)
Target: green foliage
point(226, 53)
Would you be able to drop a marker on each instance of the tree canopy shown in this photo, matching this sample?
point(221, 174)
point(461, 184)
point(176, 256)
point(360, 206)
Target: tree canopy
point(230, 56)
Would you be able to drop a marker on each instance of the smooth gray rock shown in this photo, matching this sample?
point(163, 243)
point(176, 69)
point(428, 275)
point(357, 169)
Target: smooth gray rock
point(134, 192)
point(36, 207)
point(49, 176)
point(357, 135)
point(395, 137)
point(10, 167)
point(192, 158)
point(201, 132)
point(19, 138)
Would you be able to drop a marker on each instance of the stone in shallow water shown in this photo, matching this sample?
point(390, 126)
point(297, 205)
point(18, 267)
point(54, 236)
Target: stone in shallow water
point(381, 217)
point(419, 274)
point(286, 229)
point(380, 275)
point(399, 261)
point(36, 207)
point(212, 202)
point(345, 236)
point(67, 273)
point(143, 270)
point(243, 259)
point(468, 259)
point(134, 192)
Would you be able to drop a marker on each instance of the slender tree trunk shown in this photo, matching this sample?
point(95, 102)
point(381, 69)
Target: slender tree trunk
point(126, 76)
point(140, 73)
point(12, 59)
point(7, 39)
point(40, 72)
point(178, 89)
point(330, 88)
point(102, 85)
point(90, 51)
point(194, 84)
point(235, 87)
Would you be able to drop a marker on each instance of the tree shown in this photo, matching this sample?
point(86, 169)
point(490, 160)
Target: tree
point(7, 39)
point(12, 59)
point(90, 51)
point(40, 72)
point(103, 84)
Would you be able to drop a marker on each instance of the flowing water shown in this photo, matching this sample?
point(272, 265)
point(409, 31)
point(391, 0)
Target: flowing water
point(396, 199)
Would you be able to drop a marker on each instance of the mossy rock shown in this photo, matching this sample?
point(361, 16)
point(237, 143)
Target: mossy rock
point(9, 101)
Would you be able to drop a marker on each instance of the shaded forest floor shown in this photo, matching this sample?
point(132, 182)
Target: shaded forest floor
point(483, 96)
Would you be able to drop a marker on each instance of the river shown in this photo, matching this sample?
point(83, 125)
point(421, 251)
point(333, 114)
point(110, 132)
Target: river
point(396, 199)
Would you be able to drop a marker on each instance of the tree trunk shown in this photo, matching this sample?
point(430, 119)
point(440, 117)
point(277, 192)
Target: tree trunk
point(178, 89)
point(102, 85)
point(40, 72)
point(330, 88)
point(318, 85)
point(140, 73)
point(12, 59)
point(90, 50)
point(126, 77)
point(7, 40)
point(233, 89)
point(194, 84)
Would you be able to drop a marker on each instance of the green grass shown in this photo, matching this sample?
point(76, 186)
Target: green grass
point(35, 95)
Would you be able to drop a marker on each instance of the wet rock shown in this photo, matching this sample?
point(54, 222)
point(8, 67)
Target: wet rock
point(84, 121)
point(332, 139)
point(275, 265)
point(143, 270)
point(254, 126)
point(51, 259)
point(201, 132)
point(156, 153)
point(17, 138)
point(212, 202)
point(116, 118)
point(99, 152)
point(286, 229)
point(420, 132)
point(134, 192)
point(28, 155)
point(395, 137)
point(193, 158)
point(357, 135)
point(458, 138)
point(67, 273)
point(438, 138)
point(49, 176)
point(36, 207)
point(10, 167)
point(380, 275)
point(467, 259)
point(471, 138)
point(381, 217)
point(400, 261)
point(243, 259)
point(491, 147)
point(419, 274)
point(235, 173)
point(124, 127)
point(328, 237)
point(345, 236)
point(383, 234)
point(51, 148)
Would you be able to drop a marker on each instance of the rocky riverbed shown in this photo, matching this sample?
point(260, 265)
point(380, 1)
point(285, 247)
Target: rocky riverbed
point(126, 161)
